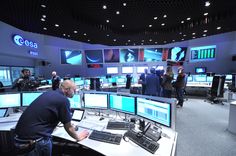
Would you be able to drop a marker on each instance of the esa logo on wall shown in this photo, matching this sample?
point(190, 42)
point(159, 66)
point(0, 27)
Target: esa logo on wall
point(20, 41)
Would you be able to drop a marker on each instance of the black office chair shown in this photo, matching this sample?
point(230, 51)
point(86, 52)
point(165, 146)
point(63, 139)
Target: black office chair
point(1, 87)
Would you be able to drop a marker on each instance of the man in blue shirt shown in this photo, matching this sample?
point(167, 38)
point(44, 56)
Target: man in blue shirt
point(55, 80)
point(42, 116)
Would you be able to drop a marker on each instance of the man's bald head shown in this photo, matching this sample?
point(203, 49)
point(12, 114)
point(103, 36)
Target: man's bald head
point(68, 87)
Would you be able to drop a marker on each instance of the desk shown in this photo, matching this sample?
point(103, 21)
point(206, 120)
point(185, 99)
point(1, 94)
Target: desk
point(167, 144)
point(44, 87)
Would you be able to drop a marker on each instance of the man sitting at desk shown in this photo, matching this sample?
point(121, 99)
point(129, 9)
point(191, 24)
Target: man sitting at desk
point(42, 116)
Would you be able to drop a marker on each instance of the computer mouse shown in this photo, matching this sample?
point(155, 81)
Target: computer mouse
point(101, 118)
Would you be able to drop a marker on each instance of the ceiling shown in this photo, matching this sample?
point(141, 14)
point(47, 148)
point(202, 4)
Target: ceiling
point(121, 22)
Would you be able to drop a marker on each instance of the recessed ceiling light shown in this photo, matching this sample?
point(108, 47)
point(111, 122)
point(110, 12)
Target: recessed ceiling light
point(188, 18)
point(43, 6)
point(126, 43)
point(150, 40)
point(85, 34)
point(164, 41)
point(68, 35)
point(75, 32)
point(218, 28)
point(141, 43)
point(194, 37)
point(205, 14)
point(104, 7)
point(122, 25)
point(107, 21)
point(164, 16)
point(44, 28)
point(114, 40)
point(155, 42)
point(184, 35)
point(134, 44)
point(204, 35)
point(64, 34)
point(193, 33)
point(128, 40)
point(42, 19)
point(205, 31)
point(142, 40)
point(117, 12)
point(182, 21)
point(180, 33)
point(44, 16)
point(150, 25)
point(108, 35)
point(173, 40)
point(155, 18)
point(163, 24)
point(124, 4)
point(207, 4)
point(88, 40)
point(56, 25)
point(182, 39)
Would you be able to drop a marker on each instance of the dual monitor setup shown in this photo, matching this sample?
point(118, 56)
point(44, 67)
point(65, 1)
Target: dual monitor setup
point(146, 107)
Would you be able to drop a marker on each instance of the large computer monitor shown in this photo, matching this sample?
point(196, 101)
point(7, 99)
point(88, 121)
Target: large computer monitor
point(141, 69)
point(75, 102)
point(158, 112)
point(29, 97)
point(127, 70)
point(112, 70)
point(96, 100)
point(200, 78)
point(122, 103)
point(10, 100)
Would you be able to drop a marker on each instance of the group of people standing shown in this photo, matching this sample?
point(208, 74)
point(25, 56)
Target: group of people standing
point(158, 83)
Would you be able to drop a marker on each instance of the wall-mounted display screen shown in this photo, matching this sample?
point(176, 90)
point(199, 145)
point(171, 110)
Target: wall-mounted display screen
point(203, 53)
point(73, 57)
point(200, 70)
point(127, 70)
point(111, 55)
point(150, 54)
point(10, 100)
point(128, 55)
point(112, 70)
point(177, 53)
point(93, 56)
point(141, 69)
point(154, 110)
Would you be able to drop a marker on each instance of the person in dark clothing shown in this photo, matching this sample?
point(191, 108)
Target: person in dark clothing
point(39, 120)
point(142, 80)
point(152, 83)
point(128, 81)
point(55, 80)
point(167, 82)
point(179, 86)
point(26, 82)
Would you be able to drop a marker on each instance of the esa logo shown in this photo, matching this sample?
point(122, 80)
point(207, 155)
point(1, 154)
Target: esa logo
point(19, 40)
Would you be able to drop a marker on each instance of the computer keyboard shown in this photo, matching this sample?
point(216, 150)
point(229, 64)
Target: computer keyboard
point(106, 137)
point(120, 125)
point(142, 141)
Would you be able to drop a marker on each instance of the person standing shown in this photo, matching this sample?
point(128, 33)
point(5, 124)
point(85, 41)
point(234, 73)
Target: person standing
point(142, 80)
point(179, 86)
point(152, 83)
point(38, 121)
point(167, 82)
point(55, 80)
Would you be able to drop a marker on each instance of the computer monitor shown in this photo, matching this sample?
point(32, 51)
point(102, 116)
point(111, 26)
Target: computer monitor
point(127, 70)
point(158, 112)
point(200, 70)
point(209, 78)
point(49, 81)
point(141, 69)
point(200, 78)
point(96, 100)
point(190, 78)
point(3, 112)
point(112, 70)
point(10, 100)
point(29, 97)
point(228, 77)
point(122, 103)
point(75, 102)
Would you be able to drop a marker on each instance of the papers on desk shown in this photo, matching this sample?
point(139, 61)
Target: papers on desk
point(91, 125)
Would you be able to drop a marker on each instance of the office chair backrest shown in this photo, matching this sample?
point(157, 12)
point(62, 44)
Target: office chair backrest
point(217, 87)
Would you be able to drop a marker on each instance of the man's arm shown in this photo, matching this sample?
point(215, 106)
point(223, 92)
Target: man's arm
point(71, 131)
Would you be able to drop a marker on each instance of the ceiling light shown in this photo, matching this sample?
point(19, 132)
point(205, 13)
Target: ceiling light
point(134, 44)
point(164, 16)
point(64, 34)
point(204, 35)
point(163, 24)
point(155, 18)
point(122, 25)
point(164, 41)
point(42, 19)
point(107, 21)
point(150, 26)
point(205, 14)
point(43, 6)
point(205, 31)
point(182, 39)
point(194, 37)
point(68, 35)
point(104, 7)
point(44, 16)
point(56, 25)
point(85, 34)
point(44, 28)
point(108, 35)
point(180, 33)
point(184, 35)
point(114, 40)
point(141, 43)
point(128, 40)
point(88, 40)
point(142, 40)
point(155, 42)
point(218, 28)
point(182, 21)
point(150, 40)
point(207, 4)
point(188, 18)
point(124, 4)
point(193, 33)
point(117, 12)
point(173, 40)
point(75, 32)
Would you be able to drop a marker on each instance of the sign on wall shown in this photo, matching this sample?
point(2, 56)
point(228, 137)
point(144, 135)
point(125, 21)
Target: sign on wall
point(20, 41)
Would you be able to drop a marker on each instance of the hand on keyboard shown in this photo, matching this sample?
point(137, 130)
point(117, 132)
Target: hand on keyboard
point(82, 135)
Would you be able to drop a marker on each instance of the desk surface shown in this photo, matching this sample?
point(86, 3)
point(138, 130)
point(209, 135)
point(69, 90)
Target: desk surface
point(167, 142)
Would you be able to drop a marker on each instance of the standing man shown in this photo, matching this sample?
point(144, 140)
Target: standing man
point(142, 80)
point(39, 120)
point(179, 86)
point(55, 80)
point(152, 83)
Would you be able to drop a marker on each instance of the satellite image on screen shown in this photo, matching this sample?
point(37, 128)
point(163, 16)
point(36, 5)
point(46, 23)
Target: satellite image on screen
point(128, 55)
point(73, 57)
point(94, 56)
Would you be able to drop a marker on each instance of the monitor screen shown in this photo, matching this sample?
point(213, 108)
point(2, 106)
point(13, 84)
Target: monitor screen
point(177, 53)
point(79, 82)
point(49, 81)
point(10, 100)
point(75, 102)
point(93, 56)
point(122, 103)
point(78, 115)
point(29, 97)
point(141, 69)
point(3, 112)
point(155, 111)
point(73, 57)
point(127, 70)
point(128, 55)
point(190, 78)
point(200, 70)
point(111, 55)
point(95, 100)
point(150, 55)
point(209, 78)
point(112, 70)
point(199, 78)
point(228, 77)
